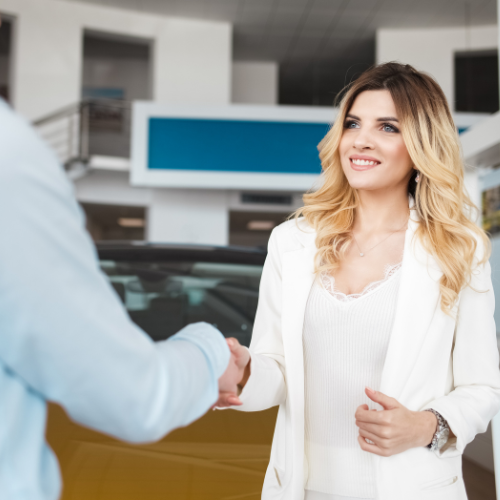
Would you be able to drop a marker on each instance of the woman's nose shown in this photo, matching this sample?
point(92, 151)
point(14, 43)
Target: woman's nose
point(363, 140)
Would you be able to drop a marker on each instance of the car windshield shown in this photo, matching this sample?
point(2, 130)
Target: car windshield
point(162, 297)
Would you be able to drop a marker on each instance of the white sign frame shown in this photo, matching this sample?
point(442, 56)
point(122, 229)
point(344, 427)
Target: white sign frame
point(141, 176)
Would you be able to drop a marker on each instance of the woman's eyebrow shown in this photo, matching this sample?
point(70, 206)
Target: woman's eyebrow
point(382, 119)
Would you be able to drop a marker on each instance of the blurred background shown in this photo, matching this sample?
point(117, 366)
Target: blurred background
point(173, 119)
point(74, 68)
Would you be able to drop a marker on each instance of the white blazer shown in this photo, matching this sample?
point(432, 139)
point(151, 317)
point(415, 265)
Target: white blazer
point(433, 360)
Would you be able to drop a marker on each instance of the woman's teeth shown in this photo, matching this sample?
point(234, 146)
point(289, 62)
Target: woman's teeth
point(364, 162)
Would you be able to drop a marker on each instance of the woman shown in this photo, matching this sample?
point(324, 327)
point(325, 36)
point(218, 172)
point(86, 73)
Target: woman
point(376, 306)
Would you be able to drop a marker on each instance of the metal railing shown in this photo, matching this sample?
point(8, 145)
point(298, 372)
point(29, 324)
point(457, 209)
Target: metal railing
point(91, 127)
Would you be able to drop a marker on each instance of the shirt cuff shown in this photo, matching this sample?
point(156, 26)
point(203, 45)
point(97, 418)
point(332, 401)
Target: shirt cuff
point(211, 342)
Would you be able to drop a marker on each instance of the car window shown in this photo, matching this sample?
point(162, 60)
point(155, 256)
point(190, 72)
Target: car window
point(162, 297)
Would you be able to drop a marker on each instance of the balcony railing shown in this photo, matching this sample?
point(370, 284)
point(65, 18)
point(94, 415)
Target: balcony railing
point(86, 129)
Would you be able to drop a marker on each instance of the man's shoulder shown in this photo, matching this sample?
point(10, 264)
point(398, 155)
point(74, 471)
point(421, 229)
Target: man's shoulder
point(16, 135)
point(10, 121)
point(22, 152)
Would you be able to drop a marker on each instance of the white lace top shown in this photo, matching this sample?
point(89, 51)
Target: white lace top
point(345, 339)
point(328, 283)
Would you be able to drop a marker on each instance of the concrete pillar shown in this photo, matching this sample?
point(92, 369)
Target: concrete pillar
point(47, 53)
point(192, 62)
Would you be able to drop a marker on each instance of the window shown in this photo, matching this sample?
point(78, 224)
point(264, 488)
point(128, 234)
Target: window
point(476, 82)
point(115, 222)
point(5, 57)
point(491, 210)
point(163, 297)
point(116, 70)
point(252, 229)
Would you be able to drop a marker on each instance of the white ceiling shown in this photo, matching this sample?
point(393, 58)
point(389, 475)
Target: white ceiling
point(316, 41)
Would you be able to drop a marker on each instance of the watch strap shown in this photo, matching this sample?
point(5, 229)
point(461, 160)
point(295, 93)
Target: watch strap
point(442, 427)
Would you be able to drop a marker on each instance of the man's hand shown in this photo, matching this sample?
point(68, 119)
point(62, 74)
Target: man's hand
point(393, 429)
point(237, 373)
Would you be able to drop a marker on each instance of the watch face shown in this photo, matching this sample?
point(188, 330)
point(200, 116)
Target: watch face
point(442, 438)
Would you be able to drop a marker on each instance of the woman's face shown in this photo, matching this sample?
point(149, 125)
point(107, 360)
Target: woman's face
point(372, 151)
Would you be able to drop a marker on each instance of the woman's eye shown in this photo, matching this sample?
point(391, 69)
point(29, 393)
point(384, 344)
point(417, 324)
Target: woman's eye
point(350, 124)
point(387, 127)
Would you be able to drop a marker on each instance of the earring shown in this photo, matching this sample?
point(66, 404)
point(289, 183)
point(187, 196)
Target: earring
point(417, 177)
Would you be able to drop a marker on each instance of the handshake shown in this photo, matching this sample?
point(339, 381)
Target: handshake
point(235, 377)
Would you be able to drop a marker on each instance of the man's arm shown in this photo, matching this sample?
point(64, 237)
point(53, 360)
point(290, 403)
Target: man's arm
point(64, 331)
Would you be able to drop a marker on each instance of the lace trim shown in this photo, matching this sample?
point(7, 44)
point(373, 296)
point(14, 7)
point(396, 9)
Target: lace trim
point(328, 282)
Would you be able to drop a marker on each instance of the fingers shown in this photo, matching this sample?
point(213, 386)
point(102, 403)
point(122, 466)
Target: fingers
point(373, 444)
point(370, 448)
point(370, 416)
point(239, 353)
point(234, 346)
point(375, 429)
point(226, 400)
point(374, 438)
point(232, 343)
point(382, 399)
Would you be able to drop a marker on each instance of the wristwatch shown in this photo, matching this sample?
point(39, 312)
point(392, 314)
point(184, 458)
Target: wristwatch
point(442, 432)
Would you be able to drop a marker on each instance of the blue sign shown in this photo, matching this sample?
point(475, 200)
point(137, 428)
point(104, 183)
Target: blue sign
point(225, 145)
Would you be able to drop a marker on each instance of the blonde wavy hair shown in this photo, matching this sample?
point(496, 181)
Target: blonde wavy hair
point(443, 206)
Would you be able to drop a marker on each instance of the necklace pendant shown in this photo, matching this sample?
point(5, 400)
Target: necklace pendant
point(361, 254)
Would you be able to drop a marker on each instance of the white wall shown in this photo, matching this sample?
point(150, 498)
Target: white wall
point(192, 59)
point(188, 216)
point(173, 215)
point(432, 50)
point(113, 188)
point(193, 62)
point(471, 181)
point(255, 82)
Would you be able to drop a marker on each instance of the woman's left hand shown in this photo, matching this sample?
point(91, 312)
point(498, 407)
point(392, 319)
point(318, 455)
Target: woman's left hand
point(393, 429)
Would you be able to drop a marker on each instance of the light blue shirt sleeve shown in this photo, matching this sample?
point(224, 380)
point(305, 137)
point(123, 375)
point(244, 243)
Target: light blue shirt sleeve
point(63, 330)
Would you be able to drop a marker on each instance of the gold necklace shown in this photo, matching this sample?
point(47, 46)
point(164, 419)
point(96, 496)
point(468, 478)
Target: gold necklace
point(362, 254)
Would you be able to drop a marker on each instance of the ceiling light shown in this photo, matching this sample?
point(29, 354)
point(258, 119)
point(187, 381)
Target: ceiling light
point(261, 225)
point(130, 222)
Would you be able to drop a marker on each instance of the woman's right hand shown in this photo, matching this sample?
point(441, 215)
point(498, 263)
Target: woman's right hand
point(238, 370)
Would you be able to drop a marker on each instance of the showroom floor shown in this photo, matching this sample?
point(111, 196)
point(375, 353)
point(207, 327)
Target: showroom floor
point(479, 482)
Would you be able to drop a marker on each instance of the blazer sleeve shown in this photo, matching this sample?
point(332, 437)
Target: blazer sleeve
point(475, 399)
point(266, 386)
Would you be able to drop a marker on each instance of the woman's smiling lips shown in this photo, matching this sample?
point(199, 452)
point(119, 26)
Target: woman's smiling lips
point(362, 162)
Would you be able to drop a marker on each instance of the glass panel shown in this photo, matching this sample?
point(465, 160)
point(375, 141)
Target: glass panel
point(476, 81)
point(163, 297)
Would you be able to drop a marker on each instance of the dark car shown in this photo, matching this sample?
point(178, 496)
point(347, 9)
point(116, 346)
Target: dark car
point(224, 454)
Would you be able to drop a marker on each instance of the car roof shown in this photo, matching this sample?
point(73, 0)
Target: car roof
point(140, 251)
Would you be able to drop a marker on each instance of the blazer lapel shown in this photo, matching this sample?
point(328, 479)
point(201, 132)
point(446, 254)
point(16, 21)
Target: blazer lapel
point(298, 277)
point(418, 299)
